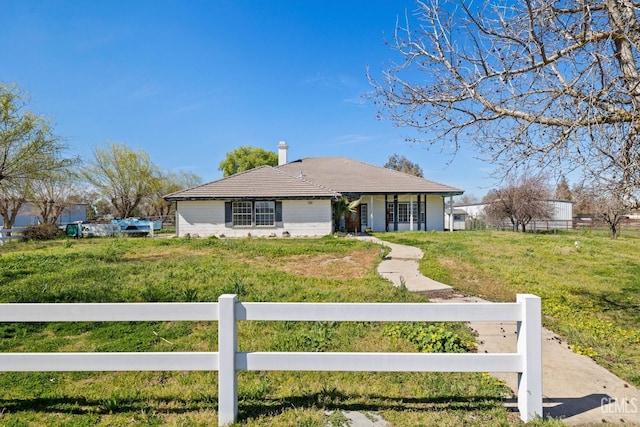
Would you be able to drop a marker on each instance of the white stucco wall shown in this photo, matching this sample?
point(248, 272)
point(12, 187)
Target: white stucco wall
point(202, 218)
point(435, 213)
point(307, 217)
point(299, 218)
point(379, 212)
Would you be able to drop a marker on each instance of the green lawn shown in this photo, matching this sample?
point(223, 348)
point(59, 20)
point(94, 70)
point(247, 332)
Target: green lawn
point(137, 270)
point(590, 290)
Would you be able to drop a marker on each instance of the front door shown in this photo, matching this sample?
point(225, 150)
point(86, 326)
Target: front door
point(352, 221)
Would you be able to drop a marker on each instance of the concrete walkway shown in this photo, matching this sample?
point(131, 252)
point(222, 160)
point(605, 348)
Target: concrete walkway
point(400, 267)
point(575, 388)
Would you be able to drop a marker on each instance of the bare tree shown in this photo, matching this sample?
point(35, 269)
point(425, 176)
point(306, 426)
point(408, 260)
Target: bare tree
point(522, 200)
point(539, 82)
point(466, 199)
point(611, 209)
point(605, 203)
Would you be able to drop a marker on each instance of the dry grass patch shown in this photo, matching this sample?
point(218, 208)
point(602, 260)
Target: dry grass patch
point(355, 264)
point(159, 253)
point(473, 281)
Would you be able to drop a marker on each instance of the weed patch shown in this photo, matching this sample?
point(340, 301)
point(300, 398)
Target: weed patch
point(590, 293)
point(138, 270)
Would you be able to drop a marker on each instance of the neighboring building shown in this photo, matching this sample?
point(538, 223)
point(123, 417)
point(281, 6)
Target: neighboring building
point(28, 215)
point(459, 218)
point(297, 199)
point(561, 217)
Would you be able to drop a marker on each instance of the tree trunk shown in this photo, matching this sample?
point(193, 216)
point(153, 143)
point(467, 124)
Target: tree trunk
point(9, 211)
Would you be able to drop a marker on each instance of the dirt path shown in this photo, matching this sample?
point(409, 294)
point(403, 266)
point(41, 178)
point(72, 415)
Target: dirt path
point(575, 388)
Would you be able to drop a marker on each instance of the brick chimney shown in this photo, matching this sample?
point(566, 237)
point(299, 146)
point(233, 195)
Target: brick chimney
point(282, 153)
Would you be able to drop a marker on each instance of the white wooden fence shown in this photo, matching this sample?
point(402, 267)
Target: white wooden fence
point(7, 234)
point(527, 361)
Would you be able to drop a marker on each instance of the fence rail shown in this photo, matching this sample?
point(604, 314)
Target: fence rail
point(7, 234)
point(228, 361)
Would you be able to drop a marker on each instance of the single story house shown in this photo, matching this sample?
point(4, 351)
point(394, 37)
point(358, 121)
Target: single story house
point(298, 199)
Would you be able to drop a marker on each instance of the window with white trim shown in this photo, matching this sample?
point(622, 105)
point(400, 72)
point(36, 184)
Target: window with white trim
point(265, 214)
point(242, 214)
point(259, 213)
point(403, 212)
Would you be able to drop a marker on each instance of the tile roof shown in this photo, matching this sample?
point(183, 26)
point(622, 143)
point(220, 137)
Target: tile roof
point(261, 182)
point(313, 177)
point(353, 176)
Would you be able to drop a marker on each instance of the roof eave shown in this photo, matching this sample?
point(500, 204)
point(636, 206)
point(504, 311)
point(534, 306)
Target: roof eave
point(241, 198)
point(382, 193)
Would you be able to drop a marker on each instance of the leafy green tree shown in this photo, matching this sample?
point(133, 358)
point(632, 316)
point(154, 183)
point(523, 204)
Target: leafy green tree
point(124, 176)
point(102, 208)
point(246, 158)
point(170, 182)
point(29, 151)
point(28, 147)
point(402, 164)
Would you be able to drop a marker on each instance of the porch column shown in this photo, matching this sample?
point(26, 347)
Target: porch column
point(177, 220)
point(386, 216)
point(451, 213)
point(395, 212)
point(419, 212)
point(411, 213)
point(370, 224)
point(426, 213)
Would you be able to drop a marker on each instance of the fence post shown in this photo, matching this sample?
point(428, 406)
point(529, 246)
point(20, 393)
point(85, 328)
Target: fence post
point(227, 347)
point(530, 348)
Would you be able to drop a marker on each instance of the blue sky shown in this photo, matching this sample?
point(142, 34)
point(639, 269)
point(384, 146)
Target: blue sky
point(189, 81)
